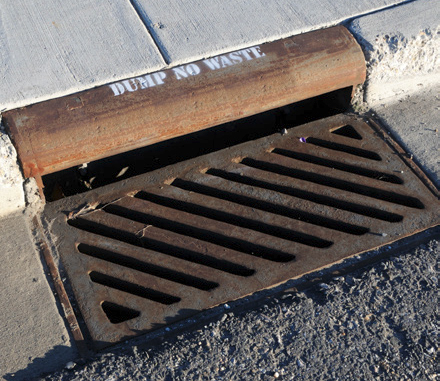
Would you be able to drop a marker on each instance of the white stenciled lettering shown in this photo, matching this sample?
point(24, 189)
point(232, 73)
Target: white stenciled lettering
point(183, 71)
point(130, 85)
point(245, 54)
point(225, 61)
point(192, 69)
point(180, 72)
point(146, 81)
point(159, 77)
point(235, 57)
point(257, 52)
point(212, 63)
point(117, 88)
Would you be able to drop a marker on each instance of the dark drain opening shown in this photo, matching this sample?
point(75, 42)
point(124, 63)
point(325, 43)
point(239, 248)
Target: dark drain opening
point(307, 195)
point(135, 264)
point(364, 190)
point(338, 165)
point(112, 169)
point(202, 234)
point(133, 289)
point(271, 207)
point(348, 131)
point(236, 220)
point(344, 148)
point(162, 247)
point(118, 314)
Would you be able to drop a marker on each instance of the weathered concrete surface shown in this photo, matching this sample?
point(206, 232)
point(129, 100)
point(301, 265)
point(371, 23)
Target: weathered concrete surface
point(50, 48)
point(190, 30)
point(33, 337)
point(415, 123)
point(11, 180)
point(402, 47)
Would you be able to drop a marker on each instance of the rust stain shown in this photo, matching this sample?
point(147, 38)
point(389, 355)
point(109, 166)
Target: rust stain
point(94, 124)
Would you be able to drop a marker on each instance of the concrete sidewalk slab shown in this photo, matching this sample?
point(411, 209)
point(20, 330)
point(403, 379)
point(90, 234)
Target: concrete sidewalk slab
point(50, 48)
point(33, 336)
point(415, 123)
point(191, 30)
point(402, 48)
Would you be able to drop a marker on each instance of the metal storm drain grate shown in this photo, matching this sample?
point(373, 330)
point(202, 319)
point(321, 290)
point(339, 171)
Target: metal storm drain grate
point(165, 245)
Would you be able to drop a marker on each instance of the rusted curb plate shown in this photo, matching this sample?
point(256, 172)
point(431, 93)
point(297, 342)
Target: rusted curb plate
point(162, 246)
point(61, 133)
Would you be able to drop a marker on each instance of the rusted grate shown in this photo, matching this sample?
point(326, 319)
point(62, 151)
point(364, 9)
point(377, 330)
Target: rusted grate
point(165, 245)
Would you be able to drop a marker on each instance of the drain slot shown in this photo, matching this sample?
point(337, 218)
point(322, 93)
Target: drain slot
point(306, 195)
point(344, 148)
point(132, 288)
point(132, 263)
point(386, 177)
point(161, 247)
point(202, 234)
point(118, 314)
point(364, 190)
point(347, 131)
point(236, 220)
point(271, 208)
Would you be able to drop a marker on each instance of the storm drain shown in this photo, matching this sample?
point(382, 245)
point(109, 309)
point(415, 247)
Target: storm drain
point(162, 246)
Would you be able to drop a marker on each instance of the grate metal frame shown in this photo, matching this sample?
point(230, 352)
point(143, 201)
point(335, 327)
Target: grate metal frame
point(160, 247)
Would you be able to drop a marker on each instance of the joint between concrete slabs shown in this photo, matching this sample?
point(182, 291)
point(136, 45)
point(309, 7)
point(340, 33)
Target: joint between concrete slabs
point(143, 17)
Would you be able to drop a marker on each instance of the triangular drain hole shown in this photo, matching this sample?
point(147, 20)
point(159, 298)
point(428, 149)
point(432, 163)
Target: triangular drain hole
point(118, 314)
point(348, 131)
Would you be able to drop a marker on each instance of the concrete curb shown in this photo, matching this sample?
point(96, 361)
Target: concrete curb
point(11, 179)
point(402, 49)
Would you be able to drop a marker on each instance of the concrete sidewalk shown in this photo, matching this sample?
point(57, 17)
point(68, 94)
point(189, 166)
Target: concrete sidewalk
point(52, 48)
point(60, 48)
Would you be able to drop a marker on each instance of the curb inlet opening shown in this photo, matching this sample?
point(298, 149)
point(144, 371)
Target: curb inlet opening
point(119, 167)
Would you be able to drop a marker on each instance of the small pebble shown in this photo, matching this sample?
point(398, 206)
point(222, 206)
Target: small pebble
point(283, 131)
point(227, 306)
point(70, 365)
point(303, 140)
point(276, 375)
